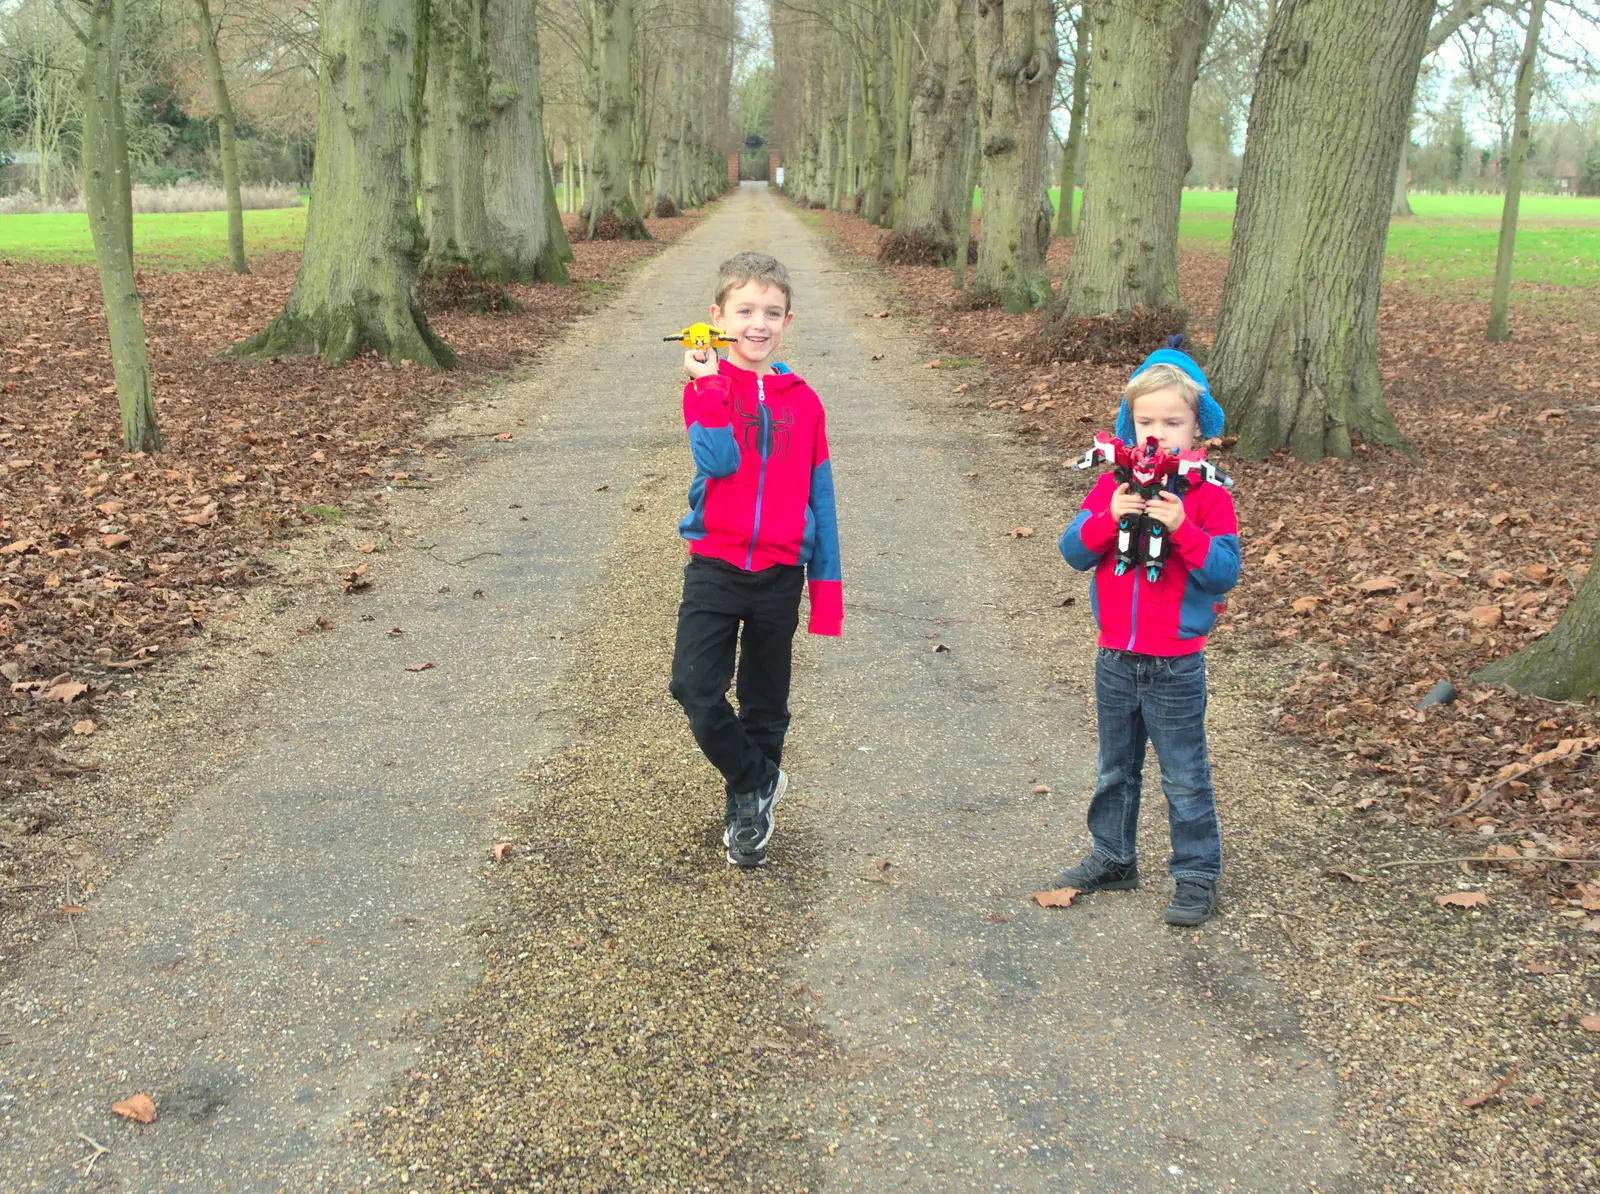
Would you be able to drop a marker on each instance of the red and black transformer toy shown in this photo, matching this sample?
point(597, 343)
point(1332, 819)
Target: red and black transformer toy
point(1141, 540)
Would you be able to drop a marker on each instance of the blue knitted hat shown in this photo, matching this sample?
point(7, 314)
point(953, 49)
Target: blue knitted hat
point(1211, 417)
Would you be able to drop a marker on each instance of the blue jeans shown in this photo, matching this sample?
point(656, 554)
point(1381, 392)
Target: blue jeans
point(1162, 700)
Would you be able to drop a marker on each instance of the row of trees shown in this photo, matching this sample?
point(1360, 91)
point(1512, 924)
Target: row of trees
point(432, 155)
point(900, 104)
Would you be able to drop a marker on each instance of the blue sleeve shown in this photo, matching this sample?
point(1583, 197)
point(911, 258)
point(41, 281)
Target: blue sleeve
point(1073, 549)
point(715, 450)
point(824, 563)
point(1220, 572)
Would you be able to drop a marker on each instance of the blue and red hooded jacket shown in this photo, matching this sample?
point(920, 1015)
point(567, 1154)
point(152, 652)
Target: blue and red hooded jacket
point(763, 485)
point(1173, 614)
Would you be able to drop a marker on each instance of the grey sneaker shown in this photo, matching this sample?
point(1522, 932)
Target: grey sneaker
point(1096, 874)
point(747, 838)
point(1192, 903)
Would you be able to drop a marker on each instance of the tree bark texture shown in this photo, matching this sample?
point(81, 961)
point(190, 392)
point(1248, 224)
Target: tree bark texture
point(1017, 63)
point(1564, 665)
point(607, 197)
point(524, 219)
point(356, 289)
point(108, 198)
point(1081, 59)
point(455, 124)
point(942, 116)
point(1295, 363)
point(1500, 297)
point(206, 31)
point(1136, 156)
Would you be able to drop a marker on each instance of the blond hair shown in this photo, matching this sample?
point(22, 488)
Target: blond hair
point(744, 268)
point(1164, 377)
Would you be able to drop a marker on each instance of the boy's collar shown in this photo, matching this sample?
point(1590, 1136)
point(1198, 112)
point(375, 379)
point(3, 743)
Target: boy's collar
point(728, 369)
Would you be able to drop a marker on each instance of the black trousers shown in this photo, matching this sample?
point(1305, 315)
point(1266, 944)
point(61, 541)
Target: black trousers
point(719, 599)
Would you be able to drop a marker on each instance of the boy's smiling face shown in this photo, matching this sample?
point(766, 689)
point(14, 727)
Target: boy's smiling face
point(1165, 414)
point(755, 316)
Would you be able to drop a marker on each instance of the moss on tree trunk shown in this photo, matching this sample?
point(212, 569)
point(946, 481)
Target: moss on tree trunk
point(108, 198)
point(1564, 665)
point(1136, 156)
point(608, 198)
point(1295, 363)
point(356, 289)
point(206, 32)
point(1017, 63)
point(942, 114)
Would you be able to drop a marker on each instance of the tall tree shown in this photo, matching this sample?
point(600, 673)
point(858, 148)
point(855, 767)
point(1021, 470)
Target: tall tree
point(206, 31)
point(1500, 297)
point(519, 187)
point(108, 196)
point(608, 197)
point(1075, 116)
point(1136, 156)
point(488, 202)
point(454, 128)
point(942, 117)
point(1295, 362)
point(1017, 62)
point(356, 289)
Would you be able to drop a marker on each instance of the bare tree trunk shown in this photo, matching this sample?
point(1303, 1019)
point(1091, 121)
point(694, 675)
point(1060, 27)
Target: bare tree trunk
point(107, 196)
point(356, 289)
point(526, 237)
point(941, 130)
point(1400, 205)
point(455, 123)
point(227, 150)
point(1564, 665)
point(1017, 64)
point(1080, 101)
point(1295, 363)
point(974, 156)
point(608, 197)
point(1137, 154)
point(1500, 298)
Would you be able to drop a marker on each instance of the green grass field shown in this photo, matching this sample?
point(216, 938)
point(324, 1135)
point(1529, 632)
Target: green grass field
point(160, 241)
point(1447, 247)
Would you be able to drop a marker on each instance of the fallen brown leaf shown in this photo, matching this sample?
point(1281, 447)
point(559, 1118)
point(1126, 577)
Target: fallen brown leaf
point(83, 727)
point(1062, 897)
point(1020, 532)
point(1463, 899)
point(420, 667)
point(1590, 1023)
point(140, 1108)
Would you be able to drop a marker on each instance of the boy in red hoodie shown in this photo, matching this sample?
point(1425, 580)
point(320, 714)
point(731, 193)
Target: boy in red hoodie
point(761, 522)
point(1150, 669)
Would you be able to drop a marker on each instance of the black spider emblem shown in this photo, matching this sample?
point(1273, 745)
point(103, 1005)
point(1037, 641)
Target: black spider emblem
point(779, 425)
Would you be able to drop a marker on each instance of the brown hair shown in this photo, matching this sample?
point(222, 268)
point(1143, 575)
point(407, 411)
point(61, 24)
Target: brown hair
point(1163, 377)
point(744, 268)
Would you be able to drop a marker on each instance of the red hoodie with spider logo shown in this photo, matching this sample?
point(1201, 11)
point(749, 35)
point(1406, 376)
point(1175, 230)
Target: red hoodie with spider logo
point(763, 485)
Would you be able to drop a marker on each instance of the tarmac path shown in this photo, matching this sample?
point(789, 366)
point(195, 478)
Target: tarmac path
point(279, 958)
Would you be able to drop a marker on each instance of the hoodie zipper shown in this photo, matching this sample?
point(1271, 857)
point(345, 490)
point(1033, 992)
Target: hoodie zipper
point(761, 480)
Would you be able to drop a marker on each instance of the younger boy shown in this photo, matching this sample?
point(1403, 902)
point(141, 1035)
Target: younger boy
point(1150, 669)
point(761, 519)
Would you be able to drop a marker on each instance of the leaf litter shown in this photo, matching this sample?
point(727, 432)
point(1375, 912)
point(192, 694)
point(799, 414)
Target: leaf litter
point(1414, 1006)
point(111, 562)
